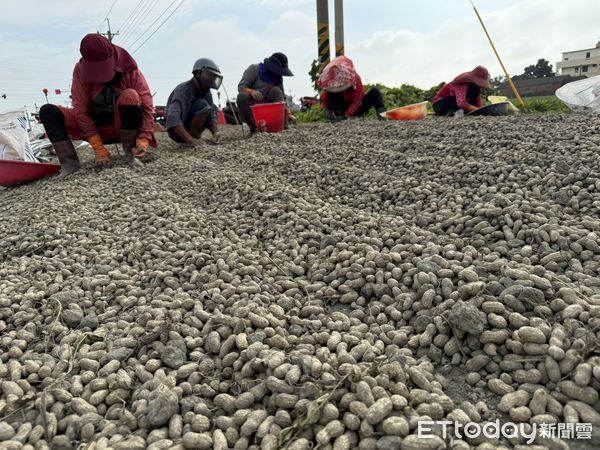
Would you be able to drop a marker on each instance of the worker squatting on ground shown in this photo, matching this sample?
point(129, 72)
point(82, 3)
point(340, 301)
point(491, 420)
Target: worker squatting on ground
point(343, 94)
point(111, 103)
point(263, 83)
point(190, 108)
point(462, 93)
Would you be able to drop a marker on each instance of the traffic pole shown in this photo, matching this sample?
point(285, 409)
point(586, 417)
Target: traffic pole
point(323, 33)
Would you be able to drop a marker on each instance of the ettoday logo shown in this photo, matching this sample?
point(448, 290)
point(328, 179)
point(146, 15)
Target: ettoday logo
point(507, 430)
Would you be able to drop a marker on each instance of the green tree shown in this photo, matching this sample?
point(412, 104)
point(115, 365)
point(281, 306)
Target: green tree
point(430, 93)
point(314, 73)
point(541, 69)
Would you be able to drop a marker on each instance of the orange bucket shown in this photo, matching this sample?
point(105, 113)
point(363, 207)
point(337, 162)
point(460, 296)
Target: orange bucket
point(416, 111)
point(269, 117)
point(221, 118)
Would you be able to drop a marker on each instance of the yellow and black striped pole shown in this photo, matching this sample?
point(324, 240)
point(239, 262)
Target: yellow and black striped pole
point(339, 27)
point(323, 32)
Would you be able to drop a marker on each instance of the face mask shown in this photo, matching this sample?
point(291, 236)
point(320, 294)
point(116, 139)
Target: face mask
point(209, 79)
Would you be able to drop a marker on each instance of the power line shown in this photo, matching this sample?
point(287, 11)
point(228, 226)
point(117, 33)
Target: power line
point(150, 7)
point(152, 24)
point(108, 13)
point(159, 27)
point(136, 17)
point(127, 22)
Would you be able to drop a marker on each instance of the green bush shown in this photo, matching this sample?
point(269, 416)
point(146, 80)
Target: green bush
point(540, 105)
point(314, 114)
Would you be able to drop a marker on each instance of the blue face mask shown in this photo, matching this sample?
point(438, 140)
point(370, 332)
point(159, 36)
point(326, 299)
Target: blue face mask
point(268, 77)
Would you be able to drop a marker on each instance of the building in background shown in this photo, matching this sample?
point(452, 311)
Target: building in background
point(537, 87)
point(580, 62)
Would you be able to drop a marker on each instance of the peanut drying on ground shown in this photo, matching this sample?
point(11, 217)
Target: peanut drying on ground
point(328, 285)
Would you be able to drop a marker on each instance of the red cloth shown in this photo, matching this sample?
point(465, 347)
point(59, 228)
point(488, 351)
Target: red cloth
point(458, 91)
point(82, 95)
point(340, 72)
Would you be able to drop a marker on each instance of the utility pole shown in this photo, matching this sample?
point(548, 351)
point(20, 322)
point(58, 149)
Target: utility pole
point(339, 27)
point(109, 34)
point(323, 32)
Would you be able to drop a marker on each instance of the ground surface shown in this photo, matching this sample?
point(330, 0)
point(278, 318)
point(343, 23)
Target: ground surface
point(362, 274)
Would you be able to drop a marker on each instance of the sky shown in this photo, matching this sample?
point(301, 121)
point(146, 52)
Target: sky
point(390, 41)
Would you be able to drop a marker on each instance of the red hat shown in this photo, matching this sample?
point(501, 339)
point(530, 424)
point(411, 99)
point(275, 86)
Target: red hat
point(479, 76)
point(98, 59)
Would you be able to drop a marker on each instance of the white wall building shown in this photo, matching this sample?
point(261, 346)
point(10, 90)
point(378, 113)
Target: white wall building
point(580, 62)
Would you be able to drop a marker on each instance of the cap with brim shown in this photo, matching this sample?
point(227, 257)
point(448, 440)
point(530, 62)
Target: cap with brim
point(478, 76)
point(274, 65)
point(98, 61)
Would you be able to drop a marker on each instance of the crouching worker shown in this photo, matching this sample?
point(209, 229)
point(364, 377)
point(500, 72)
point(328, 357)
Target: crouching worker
point(111, 103)
point(343, 94)
point(263, 83)
point(190, 108)
point(462, 93)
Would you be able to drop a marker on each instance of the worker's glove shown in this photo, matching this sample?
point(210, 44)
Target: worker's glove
point(102, 155)
point(257, 95)
point(216, 138)
point(141, 147)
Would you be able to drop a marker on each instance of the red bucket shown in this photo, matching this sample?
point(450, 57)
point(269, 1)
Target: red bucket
point(13, 173)
point(269, 117)
point(221, 118)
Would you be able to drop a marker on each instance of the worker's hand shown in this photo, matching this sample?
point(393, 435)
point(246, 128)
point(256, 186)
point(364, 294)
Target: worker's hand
point(256, 95)
point(216, 138)
point(292, 119)
point(192, 144)
point(472, 108)
point(102, 155)
point(140, 151)
point(141, 147)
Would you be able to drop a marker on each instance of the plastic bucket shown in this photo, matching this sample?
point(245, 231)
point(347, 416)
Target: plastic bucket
point(221, 118)
point(13, 173)
point(416, 111)
point(269, 117)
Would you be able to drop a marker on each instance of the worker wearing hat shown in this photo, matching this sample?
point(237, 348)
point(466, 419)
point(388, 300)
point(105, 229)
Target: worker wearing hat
point(263, 83)
point(343, 95)
point(111, 103)
point(190, 108)
point(462, 93)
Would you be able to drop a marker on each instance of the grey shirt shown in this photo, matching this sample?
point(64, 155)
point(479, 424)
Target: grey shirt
point(180, 102)
point(251, 79)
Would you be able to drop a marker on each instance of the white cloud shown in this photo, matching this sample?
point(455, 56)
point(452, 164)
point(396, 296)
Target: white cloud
point(233, 49)
point(40, 45)
point(523, 33)
point(283, 4)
